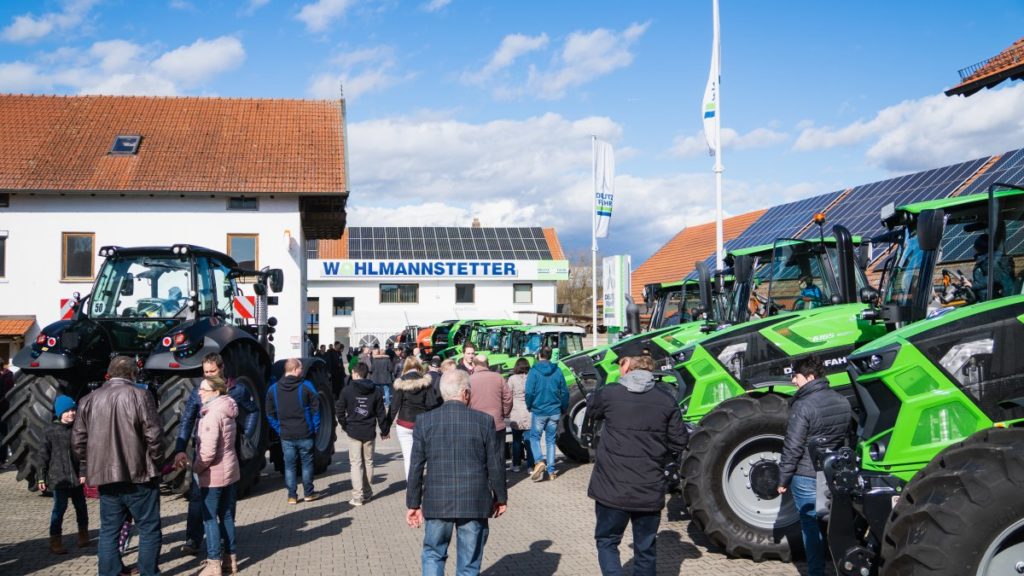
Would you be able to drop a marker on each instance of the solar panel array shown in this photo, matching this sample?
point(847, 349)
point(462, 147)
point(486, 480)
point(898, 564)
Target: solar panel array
point(958, 244)
point(1008, 169)
point(447, 243)
point(860, 210)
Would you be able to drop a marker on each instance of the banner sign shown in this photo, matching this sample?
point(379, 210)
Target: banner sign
point(604, 187)
point(616, 284)
point(486, 269)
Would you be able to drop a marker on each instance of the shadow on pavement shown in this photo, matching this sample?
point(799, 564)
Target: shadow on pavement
point(535, 562)
point(673, 552)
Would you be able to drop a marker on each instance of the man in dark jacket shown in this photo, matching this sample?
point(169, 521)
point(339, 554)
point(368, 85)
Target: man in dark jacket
point(456, 478)
point(547, 398)
point(293, 409)
point(382, 372)
point(642, 430)
point(358, 408)
point(468, 363)
point(118, 439)
point(6, 384)
point(818, 413)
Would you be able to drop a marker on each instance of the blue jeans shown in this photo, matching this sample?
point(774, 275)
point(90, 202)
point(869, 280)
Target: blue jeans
point(804, 497)
point(547, 425)
point(143, 502)
point(518, 446)
point(471, 535)
point(304, 450)
point(219, 519)
point(60, 506)
point(611, 524)
point(194, 531)
point(386, 390)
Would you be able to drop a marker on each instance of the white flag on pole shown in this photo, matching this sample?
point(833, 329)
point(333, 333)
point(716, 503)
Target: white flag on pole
point(604, 186)
point(710, 108)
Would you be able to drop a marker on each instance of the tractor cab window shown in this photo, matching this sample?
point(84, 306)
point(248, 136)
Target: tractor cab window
point(798, 276)
point(223, 290)
point(675, 306)
point(962, 274)
point(142, 287)
point(570, 343)
point(493, 340)
point(533, 343)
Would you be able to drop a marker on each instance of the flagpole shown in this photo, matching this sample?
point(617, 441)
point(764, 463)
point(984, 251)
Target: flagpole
point(593, 247)
point(718, 169)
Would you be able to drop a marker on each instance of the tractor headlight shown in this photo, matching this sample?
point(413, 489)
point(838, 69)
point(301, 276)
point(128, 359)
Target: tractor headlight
point(876, 360)
point(684, 355)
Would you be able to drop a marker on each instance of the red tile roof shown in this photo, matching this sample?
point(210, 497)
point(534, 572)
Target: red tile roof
point(553, 244)
point(15, 325)
point(673, 261)
point(1007, 64)
point(61, 143)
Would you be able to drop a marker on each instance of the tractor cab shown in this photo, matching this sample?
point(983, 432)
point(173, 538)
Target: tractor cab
point(671, 303)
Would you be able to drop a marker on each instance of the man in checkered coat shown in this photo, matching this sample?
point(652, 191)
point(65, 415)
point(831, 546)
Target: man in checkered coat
point(456, 479)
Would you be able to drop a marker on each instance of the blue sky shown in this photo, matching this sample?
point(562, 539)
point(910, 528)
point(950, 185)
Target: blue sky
point(460, 109)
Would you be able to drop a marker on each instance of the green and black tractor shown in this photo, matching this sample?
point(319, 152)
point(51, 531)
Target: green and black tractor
point(450, 336)
point(736, 385)
point(933, 483)
point(167, 307)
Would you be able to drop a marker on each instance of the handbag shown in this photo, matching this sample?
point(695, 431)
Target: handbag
point(246, 450)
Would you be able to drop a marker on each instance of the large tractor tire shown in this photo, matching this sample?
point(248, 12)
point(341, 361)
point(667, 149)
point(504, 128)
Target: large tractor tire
point(30, 413)
point(173, 393)
point(568, 439)
point(244, 365)
point(730, 476)
point(962, 514)
point(323, 443)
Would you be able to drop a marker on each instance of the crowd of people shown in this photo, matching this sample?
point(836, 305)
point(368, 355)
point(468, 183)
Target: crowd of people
point(451, 420)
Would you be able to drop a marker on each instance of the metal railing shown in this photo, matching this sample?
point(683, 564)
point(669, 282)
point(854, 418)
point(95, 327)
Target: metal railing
point(1012, 56)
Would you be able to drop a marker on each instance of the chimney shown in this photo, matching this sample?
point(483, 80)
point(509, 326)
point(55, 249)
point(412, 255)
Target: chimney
point(476, 222)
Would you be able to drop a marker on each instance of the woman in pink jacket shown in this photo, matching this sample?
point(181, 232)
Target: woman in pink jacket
point(216, 470)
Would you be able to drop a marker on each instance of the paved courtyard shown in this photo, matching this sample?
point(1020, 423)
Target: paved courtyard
point(547, 531)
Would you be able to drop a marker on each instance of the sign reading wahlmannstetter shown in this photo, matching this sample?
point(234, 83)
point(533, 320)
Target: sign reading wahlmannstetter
point(482, 269)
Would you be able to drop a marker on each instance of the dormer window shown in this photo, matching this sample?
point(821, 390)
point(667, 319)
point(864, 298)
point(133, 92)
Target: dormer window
point(125, 144)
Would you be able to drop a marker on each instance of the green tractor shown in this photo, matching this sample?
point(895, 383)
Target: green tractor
point(934, 483)
point(167, 307)
point(736, 385)
point(448, 339)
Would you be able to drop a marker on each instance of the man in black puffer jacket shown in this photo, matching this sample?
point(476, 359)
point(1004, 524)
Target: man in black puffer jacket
point(819, 414)
point(642, 428)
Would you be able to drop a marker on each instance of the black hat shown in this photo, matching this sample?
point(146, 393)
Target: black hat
point(981, 243)
point(435, 361)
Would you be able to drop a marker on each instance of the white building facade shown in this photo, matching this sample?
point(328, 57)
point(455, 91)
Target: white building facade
point(365, 296)
point(81, 173)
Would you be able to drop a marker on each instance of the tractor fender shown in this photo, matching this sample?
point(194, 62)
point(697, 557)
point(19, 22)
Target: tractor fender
point(48, 360)
point(215, 337)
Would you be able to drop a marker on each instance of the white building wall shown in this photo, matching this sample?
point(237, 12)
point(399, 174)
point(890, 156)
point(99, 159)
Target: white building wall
point(493, 300)
point(34, 227)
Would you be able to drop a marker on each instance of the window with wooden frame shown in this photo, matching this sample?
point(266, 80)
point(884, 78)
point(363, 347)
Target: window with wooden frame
point(522, 293)
point(399, 293)
point(245, 249)
point(76, 262)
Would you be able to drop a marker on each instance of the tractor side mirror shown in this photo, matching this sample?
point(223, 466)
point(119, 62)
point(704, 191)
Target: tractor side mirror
point(868, 295)
point(930, 226)
point(128, 286)
point(276, 280)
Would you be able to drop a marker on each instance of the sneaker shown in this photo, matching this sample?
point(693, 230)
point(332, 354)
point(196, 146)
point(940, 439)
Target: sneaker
point(538, 472)
point(190, 548)
point(313, 496)
point(293, 500)
point(552, 475)
point(355, 502)
point(515, 468)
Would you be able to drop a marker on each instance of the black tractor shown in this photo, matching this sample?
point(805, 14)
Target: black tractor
point(167, 307)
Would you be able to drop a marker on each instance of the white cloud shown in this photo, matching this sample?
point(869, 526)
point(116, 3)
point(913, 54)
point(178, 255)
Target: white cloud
point(120, 67)
point(319, 15)
point(585, 57)
point(203, 59)
point(512, 47)
point(696, 145)
point(182, 5)
point(253, 6)
point(931, 131)
point(28, 28)
point(436, 5)
point(360, 72)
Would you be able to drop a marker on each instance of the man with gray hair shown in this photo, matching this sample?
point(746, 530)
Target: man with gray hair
point(456, 479)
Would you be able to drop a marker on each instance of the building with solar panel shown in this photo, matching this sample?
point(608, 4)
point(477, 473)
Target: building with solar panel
point(858, 208)
point(377, 281)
